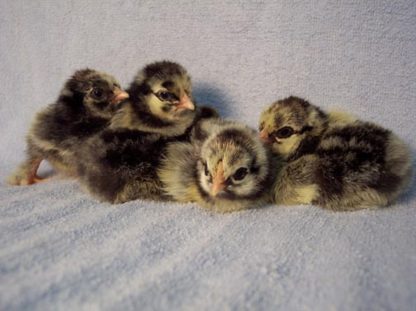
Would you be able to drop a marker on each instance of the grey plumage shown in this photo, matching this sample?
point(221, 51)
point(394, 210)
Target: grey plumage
point(225, 168)
point(334, 160)
point(85, 105)
point(119, 164)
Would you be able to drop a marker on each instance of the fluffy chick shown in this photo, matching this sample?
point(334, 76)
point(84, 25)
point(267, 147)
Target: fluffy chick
point(120, 163)
point(160, 101)
point(292, 127)
point(333, 160)
point(226, 168)
point(85, 105)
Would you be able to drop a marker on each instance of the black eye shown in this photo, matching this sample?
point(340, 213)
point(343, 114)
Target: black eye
point(205, 169)
point(163, 95)
point(285, 132)
point(240, 173)
point(97, 92)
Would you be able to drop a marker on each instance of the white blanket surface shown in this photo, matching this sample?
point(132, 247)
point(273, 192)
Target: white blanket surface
point(61, 249)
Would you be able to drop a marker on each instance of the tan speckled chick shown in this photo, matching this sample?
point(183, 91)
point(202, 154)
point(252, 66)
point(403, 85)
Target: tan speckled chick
point(333, 160)
point(225, 168)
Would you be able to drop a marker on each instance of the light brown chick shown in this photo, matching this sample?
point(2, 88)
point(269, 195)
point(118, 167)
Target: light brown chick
point(225, 169)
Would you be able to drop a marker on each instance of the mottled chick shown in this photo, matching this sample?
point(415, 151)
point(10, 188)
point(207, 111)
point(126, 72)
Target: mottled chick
point(85, 105)
point(160, 101)
point(120, 163)
point(333, 160)
point(292, 127)
point(225, 168)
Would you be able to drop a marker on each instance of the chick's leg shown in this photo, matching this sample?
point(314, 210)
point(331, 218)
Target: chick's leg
point(26, 173)
point(33, 177)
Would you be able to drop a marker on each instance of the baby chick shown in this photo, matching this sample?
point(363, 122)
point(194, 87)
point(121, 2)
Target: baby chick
point(292, 126)
point(120, 163)
point(85, 105)
point(333, 160)
point(226, 168)
point(160, 101)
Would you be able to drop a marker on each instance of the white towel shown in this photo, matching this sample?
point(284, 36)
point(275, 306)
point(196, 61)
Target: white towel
point(60, 249)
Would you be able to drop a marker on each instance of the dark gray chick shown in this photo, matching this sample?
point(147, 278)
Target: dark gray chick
point(84, 107)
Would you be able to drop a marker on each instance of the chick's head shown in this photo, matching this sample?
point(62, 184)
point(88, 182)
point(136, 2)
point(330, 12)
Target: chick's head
point(167, 91)
point(98, 92)
point(234, 165)
point(289, 122)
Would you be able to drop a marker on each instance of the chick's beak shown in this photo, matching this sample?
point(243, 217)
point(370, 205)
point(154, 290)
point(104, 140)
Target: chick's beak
point(218, 183)
point(264, 136)
point(119, 96)
point(185, 103)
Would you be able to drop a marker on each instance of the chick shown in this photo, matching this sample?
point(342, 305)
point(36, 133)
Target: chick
point(292, 127)
point(225, 168)
point(333, 160)
point(85, 105)
point(120, 163)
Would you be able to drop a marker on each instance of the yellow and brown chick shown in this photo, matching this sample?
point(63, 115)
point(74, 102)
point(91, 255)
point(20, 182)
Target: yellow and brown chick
point(160, 101)
point(120, 163)
point(225, 168)
point(84, 107)
point(333, 160)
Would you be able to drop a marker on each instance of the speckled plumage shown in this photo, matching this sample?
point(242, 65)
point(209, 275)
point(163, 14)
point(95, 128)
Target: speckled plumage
point(225, 168)
point(338, 162)
point(84, 107)
point(120, 163)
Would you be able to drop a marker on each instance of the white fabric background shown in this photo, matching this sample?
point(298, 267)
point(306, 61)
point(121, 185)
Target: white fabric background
point(60, 249)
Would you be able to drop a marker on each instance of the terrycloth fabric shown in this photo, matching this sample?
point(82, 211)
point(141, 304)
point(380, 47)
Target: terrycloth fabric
point(60, 249)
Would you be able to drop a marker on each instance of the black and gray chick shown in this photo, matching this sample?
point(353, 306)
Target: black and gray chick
point(85, 105)
point(333, 159)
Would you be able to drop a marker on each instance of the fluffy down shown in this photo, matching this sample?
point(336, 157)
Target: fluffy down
point(334, 160)
point(84, 107)
point(225, 168)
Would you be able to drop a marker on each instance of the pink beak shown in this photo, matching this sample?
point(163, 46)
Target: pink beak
point(185, 103)
point(218, 183)
point(119, 96)
point(264, 136)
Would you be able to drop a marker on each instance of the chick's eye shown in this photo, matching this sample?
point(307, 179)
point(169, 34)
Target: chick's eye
point(206, 172)
point(240, 173)
point(163, 95)
point(285, 132)
point(97, 92)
